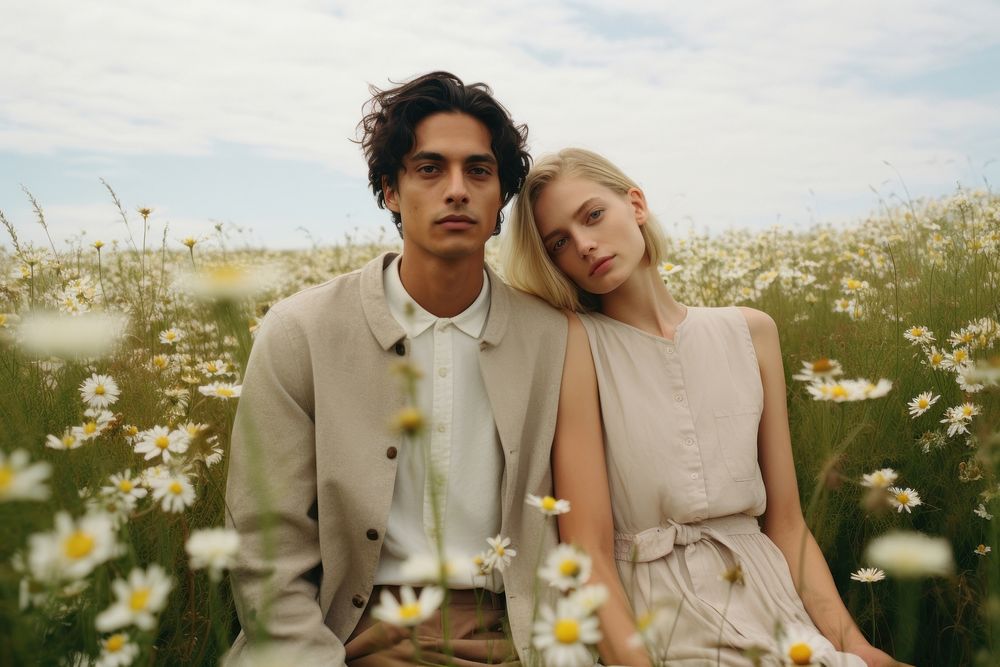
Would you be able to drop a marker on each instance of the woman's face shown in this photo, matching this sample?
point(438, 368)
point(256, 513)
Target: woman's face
point(590, 232)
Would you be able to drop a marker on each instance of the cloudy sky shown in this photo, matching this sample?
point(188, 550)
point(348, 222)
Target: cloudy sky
point(728, 113)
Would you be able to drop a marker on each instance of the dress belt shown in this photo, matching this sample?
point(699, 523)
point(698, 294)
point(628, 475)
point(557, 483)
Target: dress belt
point(655, 543)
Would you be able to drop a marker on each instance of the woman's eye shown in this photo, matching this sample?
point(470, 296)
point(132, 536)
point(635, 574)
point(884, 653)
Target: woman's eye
point(595, 214)
point(558, 245)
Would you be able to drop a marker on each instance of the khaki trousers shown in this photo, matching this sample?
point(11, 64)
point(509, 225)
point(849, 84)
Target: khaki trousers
point(476, 620)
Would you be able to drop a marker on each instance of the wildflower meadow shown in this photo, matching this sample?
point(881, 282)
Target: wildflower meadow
point(121, 367)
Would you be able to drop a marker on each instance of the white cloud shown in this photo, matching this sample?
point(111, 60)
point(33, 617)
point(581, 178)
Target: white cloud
point(725, 112)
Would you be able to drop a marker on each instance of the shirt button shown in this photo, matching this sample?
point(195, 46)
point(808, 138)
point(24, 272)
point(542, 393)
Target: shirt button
point(679, 397)
point(694, 475)
point(670, 349)
point(400, 349)
point(443, 372)
point(442, 428)
point(391, 452)
point(688, 441)
point(372, 534)
point(358, 601)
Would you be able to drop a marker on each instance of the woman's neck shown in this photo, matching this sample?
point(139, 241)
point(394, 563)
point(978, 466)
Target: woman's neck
point(644, 302)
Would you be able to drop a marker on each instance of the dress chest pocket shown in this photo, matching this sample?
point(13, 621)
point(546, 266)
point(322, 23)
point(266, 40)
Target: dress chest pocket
point(737, 432)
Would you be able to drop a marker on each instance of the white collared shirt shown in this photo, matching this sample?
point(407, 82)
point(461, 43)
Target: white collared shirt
point(464, 447)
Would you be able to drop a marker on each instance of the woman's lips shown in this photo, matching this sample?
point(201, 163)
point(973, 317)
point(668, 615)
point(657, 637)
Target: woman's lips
point(601, 266)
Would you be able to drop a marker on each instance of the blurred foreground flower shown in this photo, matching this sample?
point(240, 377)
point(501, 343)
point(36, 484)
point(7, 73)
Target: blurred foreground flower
point(564, 634)
point(22, 480)
point(223, 390)
point(90, 335)
point(228, 282)
point(566, 568)
point(74, 548)
point(548, 505)
point(911, 555)
point(214, 549)
point(117, 651)
point(138, 600)
point(880, 479)
point(410, 610)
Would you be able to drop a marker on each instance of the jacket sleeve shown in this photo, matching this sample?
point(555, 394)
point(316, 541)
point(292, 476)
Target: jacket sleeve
point(271, 503)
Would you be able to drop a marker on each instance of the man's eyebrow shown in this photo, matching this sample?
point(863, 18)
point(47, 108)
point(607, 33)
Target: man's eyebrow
point(478, 158)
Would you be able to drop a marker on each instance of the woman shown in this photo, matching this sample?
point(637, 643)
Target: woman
point(697, 441)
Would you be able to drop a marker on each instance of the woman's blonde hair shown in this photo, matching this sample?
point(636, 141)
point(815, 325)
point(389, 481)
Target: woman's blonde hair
point(526, 264)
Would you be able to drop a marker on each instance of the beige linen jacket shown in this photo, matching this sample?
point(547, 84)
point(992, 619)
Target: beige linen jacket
point(313, 459)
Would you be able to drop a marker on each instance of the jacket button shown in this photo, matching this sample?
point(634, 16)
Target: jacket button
point(358, 601)
point(372, 534)
point(400, 349)
point(391, 452)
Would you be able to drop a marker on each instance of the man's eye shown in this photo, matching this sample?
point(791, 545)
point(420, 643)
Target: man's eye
point(426, 169)
point(480, 171)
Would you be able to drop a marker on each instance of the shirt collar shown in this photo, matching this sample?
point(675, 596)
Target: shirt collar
point(470, 321)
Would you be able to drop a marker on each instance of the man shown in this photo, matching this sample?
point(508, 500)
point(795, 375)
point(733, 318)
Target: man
point(331, 504)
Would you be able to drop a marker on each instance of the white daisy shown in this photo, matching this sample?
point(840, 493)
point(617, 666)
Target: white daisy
point(822, 368)
point(171, 336)
point(117, 651)
point(174, 492)
point(96, 422)
point(74, 548)
point(137, 600)
point(880, 479)
point(410, 610)
point(904, 499)
point(161, 441)
point(548, 505)
point(982, 512)
point(868, 575)
point(590, 598)
point(68, 440)
point(214, 549)
point(99, 391)
point(223, 390)
point(22, 480)
point(563, 636)
point(922, 403)
point(427, 568)
point(919, 334)
point(982, 550)
point(500, 553)
point(124, 484)
point(566, 568)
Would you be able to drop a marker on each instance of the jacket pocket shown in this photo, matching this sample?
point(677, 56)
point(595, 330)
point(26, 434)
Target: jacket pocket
point(737, 432)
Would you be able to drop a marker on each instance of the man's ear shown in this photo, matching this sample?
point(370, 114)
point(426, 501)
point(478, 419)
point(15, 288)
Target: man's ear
point(390, 194)
point(637, 200)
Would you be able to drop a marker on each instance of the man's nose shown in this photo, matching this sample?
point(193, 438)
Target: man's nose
point(458, 191)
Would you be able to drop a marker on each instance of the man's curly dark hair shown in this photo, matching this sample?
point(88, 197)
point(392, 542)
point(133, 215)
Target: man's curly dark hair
point(387, 131)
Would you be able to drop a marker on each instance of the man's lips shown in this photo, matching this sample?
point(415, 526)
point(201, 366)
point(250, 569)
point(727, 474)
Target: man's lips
point(462, 219)
point(599, 264)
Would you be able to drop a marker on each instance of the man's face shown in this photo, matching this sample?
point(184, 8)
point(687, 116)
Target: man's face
point(448, 192)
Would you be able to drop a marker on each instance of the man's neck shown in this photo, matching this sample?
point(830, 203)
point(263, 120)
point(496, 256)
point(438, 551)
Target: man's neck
point(444, 288)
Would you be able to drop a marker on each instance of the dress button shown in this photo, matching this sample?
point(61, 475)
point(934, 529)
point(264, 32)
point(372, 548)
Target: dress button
point(679, 397)
point(443, 372)
point(694, 475)
point(688, 441)
point(391, 452)
point(400, 349)
point(372, 534)
point(670, 349)
point(442, 428)
point(358, 601)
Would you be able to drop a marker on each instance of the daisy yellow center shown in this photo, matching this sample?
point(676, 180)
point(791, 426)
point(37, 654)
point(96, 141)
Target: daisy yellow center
point(410, 419)
point(99, 390)
point(90, 428)
point(115, 643)
point(212, 368)
point(923, 403)
point(170, 335)
point(162, 442)
point(132, 430)
point(569, 568)
point(68, 440)
point(960, 356)
point(822, 366)
point(839, 391)
point(966, 411)
point(225, 391)
point(800, 653)
point(176, 488)
point(139, 598)
point(408, 612)
point(78, 545)
point(6, 477)
point(548, 503)
point(500, 550)
point(125, 485)
point(981, 548)
point(160, 362)
point(937, 358)
point(879, 479)
point(853, 284)
point(916, 331)
point(567, 631)
point(903, 497)
point(668, 266)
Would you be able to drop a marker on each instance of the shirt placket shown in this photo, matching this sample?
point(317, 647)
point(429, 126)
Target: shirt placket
point(440, 440)
point(689, 453)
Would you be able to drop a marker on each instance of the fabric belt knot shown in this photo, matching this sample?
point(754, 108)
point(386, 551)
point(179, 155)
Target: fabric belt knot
point(655, 543)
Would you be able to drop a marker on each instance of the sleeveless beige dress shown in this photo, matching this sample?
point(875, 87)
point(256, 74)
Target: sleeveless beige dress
point(680, 424)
